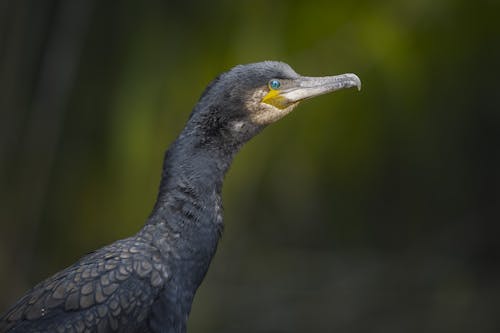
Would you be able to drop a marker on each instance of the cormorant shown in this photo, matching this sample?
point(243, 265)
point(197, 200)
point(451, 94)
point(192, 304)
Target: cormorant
point(146, 283)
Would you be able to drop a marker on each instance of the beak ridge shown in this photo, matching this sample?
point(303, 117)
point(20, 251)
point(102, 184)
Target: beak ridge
point(308, 87)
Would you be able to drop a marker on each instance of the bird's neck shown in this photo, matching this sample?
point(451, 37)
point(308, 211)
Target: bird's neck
point(191, 184)
point(187, 216)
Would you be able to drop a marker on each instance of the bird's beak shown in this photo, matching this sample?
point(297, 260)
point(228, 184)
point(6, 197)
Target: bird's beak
point(307, 87)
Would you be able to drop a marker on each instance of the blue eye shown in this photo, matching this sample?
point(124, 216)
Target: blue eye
point(274, 84)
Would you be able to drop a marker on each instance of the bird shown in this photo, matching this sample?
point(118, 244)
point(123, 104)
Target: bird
point(147, 282)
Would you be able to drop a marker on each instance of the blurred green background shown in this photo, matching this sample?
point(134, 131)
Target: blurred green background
point(375, 211)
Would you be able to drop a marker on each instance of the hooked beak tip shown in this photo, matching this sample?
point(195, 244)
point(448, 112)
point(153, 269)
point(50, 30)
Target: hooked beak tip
point(352, 80)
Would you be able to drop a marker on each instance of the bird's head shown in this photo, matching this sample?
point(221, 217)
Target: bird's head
point(243, 100)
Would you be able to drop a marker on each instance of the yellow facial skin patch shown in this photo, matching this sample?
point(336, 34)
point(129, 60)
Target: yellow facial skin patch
point(274, 98)
point(267, 106)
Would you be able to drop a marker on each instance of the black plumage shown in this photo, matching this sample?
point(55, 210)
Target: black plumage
point(146, 283)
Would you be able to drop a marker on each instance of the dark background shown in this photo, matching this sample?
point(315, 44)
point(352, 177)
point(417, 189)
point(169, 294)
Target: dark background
point(375, 211)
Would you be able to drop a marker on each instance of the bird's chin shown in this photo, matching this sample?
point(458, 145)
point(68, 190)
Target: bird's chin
point(268, 114)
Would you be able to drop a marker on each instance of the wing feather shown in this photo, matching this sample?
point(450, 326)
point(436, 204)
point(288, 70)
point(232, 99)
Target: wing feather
point(114, 286)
